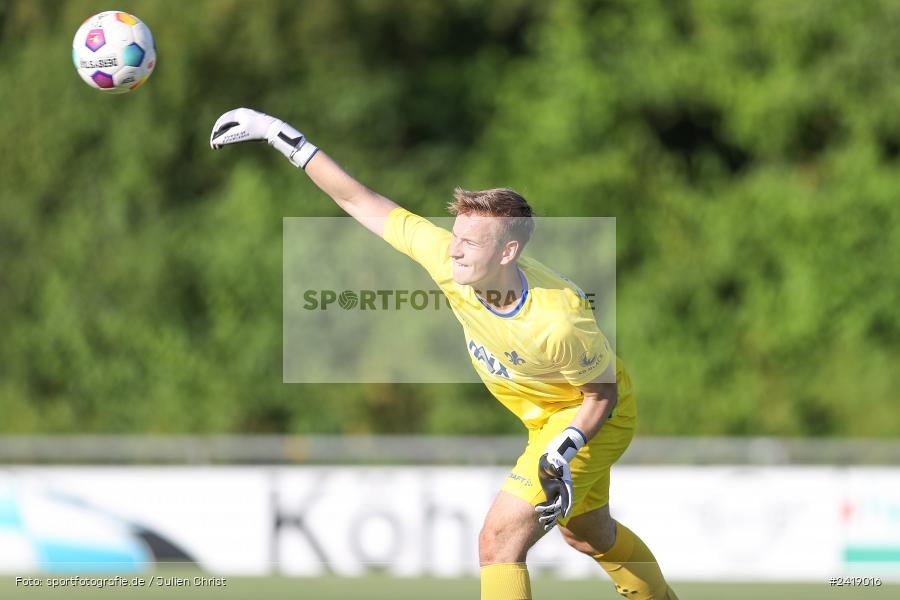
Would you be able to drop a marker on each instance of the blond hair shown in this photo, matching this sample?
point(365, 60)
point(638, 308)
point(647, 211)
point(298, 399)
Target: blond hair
point(516, 216)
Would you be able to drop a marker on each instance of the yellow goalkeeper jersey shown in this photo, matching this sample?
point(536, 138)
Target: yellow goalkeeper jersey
point(533, 357)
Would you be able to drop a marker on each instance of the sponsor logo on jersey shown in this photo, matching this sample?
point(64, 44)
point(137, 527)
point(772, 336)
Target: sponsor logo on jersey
point(491, 362)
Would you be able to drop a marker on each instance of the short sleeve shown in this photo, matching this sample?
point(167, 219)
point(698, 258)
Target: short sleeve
point(420, 239)
point(580, 350)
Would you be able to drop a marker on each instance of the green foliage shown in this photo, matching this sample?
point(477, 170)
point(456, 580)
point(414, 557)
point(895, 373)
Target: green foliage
point(749, 151)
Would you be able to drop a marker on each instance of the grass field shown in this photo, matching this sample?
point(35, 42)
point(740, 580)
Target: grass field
point(385, 588)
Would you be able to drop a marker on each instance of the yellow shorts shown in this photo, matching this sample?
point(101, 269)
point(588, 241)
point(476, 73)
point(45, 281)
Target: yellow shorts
point(590, 467)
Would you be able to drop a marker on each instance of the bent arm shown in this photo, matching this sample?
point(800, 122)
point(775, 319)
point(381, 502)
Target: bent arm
point(368, 207)
point(599, 401)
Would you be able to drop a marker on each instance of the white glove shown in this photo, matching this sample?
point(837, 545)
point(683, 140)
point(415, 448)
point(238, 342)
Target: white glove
point(556, 478)
point(246, 125)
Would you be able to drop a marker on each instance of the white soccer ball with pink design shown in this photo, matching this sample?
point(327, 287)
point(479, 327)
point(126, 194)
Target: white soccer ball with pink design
point(114, 52)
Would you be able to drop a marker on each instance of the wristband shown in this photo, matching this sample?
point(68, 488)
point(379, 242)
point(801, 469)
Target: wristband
point(568, 443)
point(291, 143)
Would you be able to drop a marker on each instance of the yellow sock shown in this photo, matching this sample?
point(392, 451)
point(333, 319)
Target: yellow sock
point(633, 568)
point(505, 581)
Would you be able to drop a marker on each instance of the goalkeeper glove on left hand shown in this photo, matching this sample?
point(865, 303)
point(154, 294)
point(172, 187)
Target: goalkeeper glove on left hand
point(246, 125)
point(556, 478)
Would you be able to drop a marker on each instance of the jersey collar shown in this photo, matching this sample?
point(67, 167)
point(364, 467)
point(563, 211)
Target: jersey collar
point(519, 305)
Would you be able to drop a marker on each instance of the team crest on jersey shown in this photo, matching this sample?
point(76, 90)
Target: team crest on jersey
point(491, 362)
point(588, 359)
point(514, 358)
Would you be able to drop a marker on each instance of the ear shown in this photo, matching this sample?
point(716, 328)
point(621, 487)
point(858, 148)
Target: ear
point(509, 252)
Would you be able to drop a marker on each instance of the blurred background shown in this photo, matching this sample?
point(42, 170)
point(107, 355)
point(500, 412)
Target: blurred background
point(748, 151)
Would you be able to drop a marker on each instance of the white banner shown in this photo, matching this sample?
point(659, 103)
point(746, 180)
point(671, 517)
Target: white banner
point(702, 523)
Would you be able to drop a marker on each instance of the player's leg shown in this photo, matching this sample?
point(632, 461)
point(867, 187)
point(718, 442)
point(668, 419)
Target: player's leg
point(621, 553)
point(510, 529)
point(601, 536)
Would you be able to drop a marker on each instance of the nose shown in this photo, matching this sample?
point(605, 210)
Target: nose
point(456, 248)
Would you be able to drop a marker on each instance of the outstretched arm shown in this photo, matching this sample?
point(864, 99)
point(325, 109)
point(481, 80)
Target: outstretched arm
point(368, 207)
point(244, 125)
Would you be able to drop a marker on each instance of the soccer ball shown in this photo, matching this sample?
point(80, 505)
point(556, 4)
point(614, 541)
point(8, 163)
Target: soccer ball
point(114, 52)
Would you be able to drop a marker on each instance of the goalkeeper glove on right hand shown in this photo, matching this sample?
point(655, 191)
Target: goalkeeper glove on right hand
point(556, 477)
point(246, 125)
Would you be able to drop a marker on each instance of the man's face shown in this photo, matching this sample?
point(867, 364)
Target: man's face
point(476, 252)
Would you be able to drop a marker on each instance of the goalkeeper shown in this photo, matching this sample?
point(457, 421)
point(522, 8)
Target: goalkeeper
point(535, 344)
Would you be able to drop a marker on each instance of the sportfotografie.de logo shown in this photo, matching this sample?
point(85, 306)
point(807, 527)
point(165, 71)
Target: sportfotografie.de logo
point(398, 299)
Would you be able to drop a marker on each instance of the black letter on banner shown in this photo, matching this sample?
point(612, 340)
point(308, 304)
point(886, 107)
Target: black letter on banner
point(297, 521)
